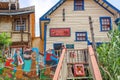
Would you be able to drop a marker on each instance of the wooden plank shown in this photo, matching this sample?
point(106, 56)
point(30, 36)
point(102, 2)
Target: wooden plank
point(57, 72)
point(96, 71)
point(79, 78)
point(85, 63)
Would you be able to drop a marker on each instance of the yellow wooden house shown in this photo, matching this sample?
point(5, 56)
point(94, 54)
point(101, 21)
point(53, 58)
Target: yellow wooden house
point(18, 22)
point(67, 23)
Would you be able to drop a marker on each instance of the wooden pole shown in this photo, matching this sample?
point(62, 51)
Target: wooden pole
point(21, 30)
point(92, 36)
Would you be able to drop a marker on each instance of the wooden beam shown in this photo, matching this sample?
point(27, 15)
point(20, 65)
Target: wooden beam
point(18, 46)
point(85, 63)
point(29, 29)
point(92, 36)
point(79, 78)
point(107, 6)
point(94, 65)
point(19, 43)
point(103, 3)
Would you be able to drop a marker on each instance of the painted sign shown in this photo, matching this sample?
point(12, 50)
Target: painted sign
point(59, 32)
point(70, 46)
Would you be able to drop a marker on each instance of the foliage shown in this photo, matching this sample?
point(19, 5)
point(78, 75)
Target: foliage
point(109, 56)
point(5, 40)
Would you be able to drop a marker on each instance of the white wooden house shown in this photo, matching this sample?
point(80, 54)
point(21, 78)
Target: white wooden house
point(67, 22)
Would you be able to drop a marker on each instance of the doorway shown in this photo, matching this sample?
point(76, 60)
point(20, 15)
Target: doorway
point(58, 48)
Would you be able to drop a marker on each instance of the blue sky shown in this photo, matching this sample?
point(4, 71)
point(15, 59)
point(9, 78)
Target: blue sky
point(42, 6)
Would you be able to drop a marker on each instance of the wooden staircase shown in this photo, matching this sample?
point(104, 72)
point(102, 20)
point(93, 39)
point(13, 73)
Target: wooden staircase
point(68, 58)
point(78, 56)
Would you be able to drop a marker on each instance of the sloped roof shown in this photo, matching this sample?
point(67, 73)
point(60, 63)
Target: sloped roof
point(99, 2)
point(117, 8)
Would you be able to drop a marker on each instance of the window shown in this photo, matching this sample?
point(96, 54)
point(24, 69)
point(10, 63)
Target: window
point(78, 4)
point(105, 23)
point(81, 36)
point(20, 25)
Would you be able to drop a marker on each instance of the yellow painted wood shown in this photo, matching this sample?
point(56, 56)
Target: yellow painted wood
point(42, 36)
point(32, 25)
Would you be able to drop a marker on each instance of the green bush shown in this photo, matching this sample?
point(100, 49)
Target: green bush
point(109, 56)
point(5, 40)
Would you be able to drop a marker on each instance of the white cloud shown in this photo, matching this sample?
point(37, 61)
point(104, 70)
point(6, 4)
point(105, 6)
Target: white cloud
point(41, 7)
point(26, 3)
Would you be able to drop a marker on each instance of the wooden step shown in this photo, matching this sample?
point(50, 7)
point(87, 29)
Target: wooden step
point(86, 78)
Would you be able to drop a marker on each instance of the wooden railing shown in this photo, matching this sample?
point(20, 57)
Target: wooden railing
point(80, 56)
point(93, 64)
point(61, 71)
point(77, 56)
point(84, 56)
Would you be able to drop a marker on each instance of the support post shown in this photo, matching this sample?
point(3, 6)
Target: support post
point(92, 36)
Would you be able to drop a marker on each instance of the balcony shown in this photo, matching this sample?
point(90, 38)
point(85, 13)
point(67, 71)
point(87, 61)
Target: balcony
point(19, 39)
point(26, 10)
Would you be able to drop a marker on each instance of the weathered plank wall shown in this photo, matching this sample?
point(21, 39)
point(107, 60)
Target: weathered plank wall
point(5, 23)
point(78, 21)
point(32, 25)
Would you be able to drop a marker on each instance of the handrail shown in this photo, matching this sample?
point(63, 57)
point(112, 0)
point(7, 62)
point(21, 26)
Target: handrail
point(95, 69)
point(57, 72)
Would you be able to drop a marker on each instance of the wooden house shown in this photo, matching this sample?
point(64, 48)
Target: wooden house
point(67, 23)
point(18, 22)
